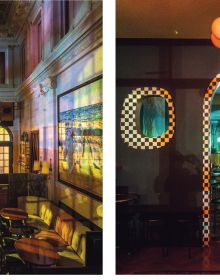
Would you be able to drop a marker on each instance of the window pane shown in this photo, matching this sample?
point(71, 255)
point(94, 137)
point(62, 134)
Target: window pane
point(6, 170)
point(4, 151)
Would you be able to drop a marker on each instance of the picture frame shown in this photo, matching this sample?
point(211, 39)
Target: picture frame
point(80, 138)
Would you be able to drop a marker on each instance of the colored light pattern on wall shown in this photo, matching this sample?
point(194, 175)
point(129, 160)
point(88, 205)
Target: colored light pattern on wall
point(81, 203)
point(129, 131)
point(206, 158)
point(80, 137)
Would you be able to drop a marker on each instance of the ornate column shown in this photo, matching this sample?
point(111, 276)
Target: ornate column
point(48, 96)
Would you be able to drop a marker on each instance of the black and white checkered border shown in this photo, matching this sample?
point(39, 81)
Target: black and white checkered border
point(206, 160)
point(129, 130)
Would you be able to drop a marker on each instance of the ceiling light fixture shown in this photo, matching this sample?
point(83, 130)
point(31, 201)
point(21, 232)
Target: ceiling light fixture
point(215, 41)
point(216, 28)
point(215, 36)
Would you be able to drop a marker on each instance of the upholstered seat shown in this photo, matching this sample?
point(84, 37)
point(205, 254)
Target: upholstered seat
point(68, 257)
point(36, 221)
point(53, 238)
point(59, 228)
point(31, 204)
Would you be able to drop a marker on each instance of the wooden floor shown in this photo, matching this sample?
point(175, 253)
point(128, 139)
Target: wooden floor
point(152, 261)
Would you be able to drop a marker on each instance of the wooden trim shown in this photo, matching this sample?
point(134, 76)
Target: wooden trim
point(79, 217)
point(90, 81)
point(162, 42)
point(79, 189)
point(167, 83)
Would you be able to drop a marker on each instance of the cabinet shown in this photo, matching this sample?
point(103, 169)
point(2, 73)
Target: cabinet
point(24, 157)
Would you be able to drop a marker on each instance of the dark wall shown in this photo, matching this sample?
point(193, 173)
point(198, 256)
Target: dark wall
point(171, 175)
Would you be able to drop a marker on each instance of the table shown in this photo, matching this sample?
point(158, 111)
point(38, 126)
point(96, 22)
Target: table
point(36, 251)
point(14, 214)
point(125, 198)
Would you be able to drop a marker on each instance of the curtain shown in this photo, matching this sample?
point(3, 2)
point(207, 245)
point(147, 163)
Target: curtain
point(34, 145)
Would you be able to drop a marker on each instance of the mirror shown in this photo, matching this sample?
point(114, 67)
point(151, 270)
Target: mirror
point(147, 118)
point(214, 136)
point(215, 124)
point(152, 116)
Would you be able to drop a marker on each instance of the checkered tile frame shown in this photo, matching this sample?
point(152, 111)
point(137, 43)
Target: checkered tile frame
point(129, 130)
point(206, 160)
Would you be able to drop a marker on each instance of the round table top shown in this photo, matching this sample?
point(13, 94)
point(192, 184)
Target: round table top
point(36, 251)
point(14, 214)
point(123, 198)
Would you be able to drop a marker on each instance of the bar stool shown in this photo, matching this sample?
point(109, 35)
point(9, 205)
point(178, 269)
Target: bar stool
point(153, 230)
point(185, 233)
point(155, 233)
point(182, 231)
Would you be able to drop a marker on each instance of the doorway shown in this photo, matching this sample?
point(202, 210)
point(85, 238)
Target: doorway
point(208, 165)
point(214, 144)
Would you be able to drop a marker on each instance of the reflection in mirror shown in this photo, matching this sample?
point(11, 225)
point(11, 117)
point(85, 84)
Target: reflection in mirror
point(214, 136)
point(153, 116)
point(215, 124)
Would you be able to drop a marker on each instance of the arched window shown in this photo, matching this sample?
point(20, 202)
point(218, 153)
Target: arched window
point(6, 144)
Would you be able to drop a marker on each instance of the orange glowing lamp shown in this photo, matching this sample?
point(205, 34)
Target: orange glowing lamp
point(216, 28)
point(215, 41)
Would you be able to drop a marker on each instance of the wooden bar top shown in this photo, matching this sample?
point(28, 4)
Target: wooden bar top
point(36, 251)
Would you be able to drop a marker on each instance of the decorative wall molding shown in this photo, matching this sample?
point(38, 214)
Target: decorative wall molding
point(8, 94)
point(47, 84)
point(75, 45)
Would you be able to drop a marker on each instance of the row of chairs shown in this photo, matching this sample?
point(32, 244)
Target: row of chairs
point(173, 232)
point(159, 230)
point(10, 261)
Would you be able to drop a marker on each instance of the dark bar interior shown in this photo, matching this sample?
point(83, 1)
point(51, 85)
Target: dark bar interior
point(167, 138)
